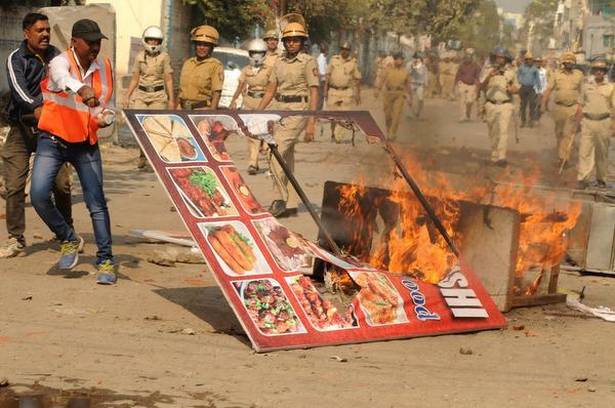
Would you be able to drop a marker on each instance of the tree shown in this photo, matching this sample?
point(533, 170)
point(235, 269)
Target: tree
point(484, 28)
point(233, 18)
point(539, 16)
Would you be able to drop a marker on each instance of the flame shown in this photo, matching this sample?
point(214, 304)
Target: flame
point(410, 244)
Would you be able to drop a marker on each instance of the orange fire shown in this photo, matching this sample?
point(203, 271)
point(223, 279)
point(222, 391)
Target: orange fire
point(408, 243)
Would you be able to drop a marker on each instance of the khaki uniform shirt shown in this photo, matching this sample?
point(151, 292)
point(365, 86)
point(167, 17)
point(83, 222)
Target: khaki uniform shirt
point(151, 70)
point(294, 76)
point(567, 87)
point(396, 79)
point(448, 68)
point(271, 58)
point(343, 73)
point(256, 80)
point(200, 79)
point(496, 87)
point(598, 99)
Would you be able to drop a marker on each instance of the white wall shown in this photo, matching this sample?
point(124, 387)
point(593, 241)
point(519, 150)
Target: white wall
point(132, 17)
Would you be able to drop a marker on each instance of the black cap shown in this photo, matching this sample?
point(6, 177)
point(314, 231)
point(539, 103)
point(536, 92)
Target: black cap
point(88, 30)
point(398, 55)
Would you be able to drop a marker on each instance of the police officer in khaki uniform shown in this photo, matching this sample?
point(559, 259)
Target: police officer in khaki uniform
point(342, 86)
point(202, 76)
point(448, 70)
point(396, 84)
point(595, 114)
point(271, 38)
point(499, 84)
point(151, 86)
point(252, 83)
point(566, 83)
point(294, 84)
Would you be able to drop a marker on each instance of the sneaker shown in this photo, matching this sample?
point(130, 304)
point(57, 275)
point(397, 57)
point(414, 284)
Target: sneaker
point(252, 170)
point(12, 247)
point(600, 184)
point(69, 254)
point(107, 274)
point(55, 240)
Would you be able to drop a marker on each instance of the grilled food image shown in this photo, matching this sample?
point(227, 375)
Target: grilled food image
point(288, 249)
point(379, 298)
point(322, 313)
point(214, 134)
point(170, 138)
point(235, 249)
point(269, 308)
point(201, 187)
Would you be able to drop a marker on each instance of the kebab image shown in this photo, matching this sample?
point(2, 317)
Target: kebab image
point(200, 185)
point(215, 134)
point(234, 249)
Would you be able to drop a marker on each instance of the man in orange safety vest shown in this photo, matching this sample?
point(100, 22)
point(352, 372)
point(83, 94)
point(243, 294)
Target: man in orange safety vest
point(76, 95)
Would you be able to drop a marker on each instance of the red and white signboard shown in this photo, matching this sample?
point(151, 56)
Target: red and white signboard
point(259, 264)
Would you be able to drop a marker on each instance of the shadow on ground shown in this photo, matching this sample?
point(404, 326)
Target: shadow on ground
point(209, 305)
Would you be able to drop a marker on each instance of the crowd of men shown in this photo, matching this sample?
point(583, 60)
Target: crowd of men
point(59, 101)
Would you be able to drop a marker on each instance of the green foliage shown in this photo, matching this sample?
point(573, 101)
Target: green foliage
point(482, 29)
point(443, 19)
point(232, 17)
point(540, 13)
point(440, 18)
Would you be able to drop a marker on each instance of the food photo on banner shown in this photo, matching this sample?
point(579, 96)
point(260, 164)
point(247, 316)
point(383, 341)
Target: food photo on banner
point(266, 272)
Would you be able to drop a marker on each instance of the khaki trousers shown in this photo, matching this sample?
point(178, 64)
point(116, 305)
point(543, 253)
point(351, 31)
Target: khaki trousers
point(467, 97)
point(498, 121)
point(393, 104)
point(340, 100)
point(594, 149)
point(433, 86)
point(286, 134)
point(448, 84)
point(565, 129)
point(16, 152)
point(254, 145)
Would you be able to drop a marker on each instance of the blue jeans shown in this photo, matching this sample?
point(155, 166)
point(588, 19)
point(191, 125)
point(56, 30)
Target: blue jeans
point(51, 153)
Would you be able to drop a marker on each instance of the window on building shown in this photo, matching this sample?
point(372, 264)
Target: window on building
point(608, 40)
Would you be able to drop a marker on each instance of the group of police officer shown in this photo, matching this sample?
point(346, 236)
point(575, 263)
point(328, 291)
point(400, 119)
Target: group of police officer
point(584, 105)
point(290, 81)
point(278, 81)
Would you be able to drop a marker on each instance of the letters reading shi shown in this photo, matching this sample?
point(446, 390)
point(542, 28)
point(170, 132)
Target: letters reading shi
point(462, 300)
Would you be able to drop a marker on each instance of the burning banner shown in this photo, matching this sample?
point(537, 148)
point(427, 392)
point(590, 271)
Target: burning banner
point(261, 266)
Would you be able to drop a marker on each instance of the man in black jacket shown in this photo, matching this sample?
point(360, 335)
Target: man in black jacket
point(26, 67)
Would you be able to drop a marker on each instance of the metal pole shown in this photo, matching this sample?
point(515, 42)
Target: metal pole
point(291, 178)
point(419, 194)
point(293, 181)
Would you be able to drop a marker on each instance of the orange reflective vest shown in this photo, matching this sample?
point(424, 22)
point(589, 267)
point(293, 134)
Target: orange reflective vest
point(65, 115)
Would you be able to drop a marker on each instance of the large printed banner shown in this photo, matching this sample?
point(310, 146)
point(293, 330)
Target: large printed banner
point(261, 266)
